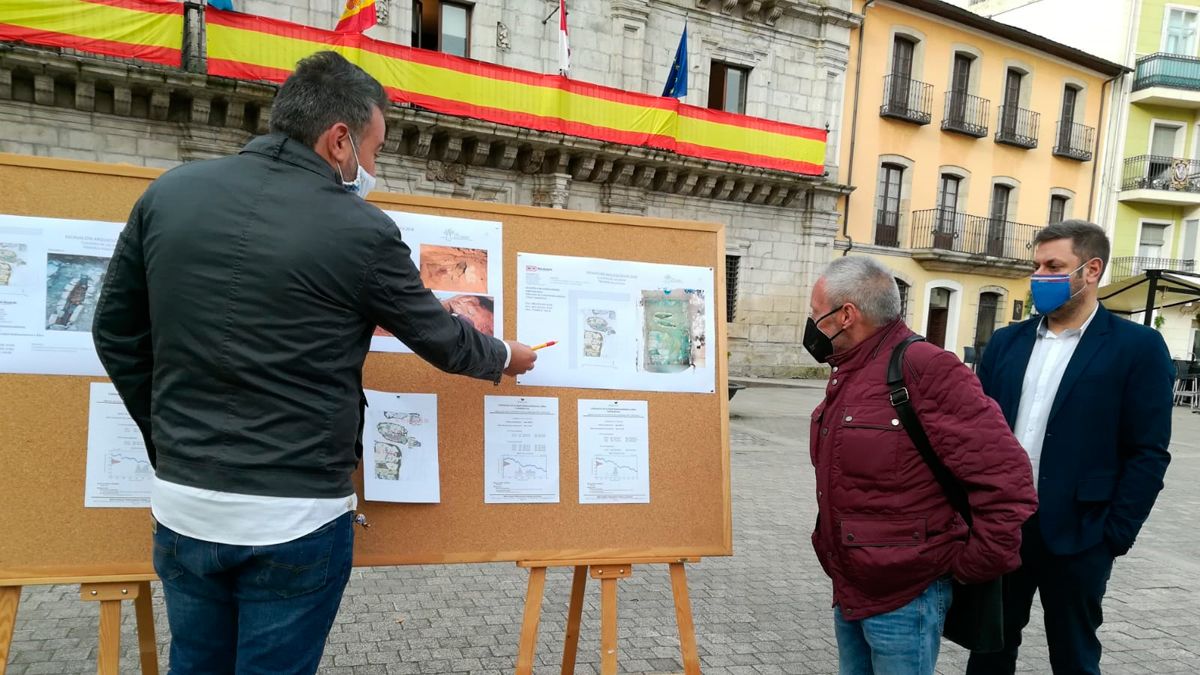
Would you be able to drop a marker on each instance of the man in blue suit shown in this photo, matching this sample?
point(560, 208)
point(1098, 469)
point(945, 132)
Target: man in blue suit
point(1089, 396)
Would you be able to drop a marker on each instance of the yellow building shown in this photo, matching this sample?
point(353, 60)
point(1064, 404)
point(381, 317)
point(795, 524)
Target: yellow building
point(966, 136)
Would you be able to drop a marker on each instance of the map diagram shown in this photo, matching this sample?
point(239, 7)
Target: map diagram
point(673, 339)
point(12, 256)
point(73, 285)
point(599, 335)
point(397, 430)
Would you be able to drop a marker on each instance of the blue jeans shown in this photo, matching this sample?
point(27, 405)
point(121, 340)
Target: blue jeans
point(252, 610)
point(904, 641)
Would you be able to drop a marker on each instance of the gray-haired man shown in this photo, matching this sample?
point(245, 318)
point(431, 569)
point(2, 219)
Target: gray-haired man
point(234, 322)
point(886, 533)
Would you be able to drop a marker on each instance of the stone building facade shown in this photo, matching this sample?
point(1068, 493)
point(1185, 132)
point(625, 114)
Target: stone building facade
point(780, 226)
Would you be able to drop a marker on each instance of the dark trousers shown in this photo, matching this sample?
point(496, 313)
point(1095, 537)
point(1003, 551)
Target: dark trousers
point(253, 610)
point(1072, 588)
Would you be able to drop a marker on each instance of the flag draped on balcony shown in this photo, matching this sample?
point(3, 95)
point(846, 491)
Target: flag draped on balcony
point(358, 16)
point(226, 5)
point(248, 47)
point(677, 80)
point(144, 30)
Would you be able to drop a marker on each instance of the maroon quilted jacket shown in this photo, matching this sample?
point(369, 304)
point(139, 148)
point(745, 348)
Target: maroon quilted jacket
point(885, 529)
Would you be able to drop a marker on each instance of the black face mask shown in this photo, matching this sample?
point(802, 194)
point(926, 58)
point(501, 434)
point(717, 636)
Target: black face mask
point(817, 343)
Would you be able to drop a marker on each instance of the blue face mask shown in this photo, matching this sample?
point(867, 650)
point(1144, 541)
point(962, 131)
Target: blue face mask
point(1051, 291)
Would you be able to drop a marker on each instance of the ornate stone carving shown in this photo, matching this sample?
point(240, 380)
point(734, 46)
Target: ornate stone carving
point(551, 190)
point(502, 42)
point(753, 9)
point(727, 6)
point(446, 172)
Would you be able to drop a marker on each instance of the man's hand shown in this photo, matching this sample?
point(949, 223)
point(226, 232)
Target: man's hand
point(522, 359)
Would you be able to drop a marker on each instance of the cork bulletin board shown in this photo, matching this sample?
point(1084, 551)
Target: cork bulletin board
point(48, 535)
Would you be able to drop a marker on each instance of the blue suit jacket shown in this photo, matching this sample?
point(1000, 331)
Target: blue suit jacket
point(1105, 450)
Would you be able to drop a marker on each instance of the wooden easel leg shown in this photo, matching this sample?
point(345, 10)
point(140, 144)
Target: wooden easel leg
point(10, 599)
point(683, 617)
point(109, 662)
point(608, 627)
point(574, 618)
point(533, 612)
point(110, 596)
point(147, 644)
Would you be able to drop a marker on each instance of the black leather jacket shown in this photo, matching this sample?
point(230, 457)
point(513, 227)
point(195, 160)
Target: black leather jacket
point(237, 312)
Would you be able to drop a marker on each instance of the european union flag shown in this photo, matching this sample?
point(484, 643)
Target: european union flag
point(226, 5)
point(677, 80)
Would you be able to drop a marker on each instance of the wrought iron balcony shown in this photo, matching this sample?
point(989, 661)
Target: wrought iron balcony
point(966, 114)
point(887, 228)
point(907, 99)
point(1123, 268)
point(1074, 141)
point(1167, 70)
point(1018, 127)
point(1153, 172)
point(953, 231)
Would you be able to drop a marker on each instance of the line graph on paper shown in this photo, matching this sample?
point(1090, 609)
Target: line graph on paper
point(124, 466)
point(524, 468)
point(606, 469)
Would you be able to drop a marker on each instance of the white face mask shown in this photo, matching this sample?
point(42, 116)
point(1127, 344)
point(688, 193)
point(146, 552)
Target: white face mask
point(363, 182)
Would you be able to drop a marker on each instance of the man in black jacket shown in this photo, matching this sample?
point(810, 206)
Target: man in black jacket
point(235, 319)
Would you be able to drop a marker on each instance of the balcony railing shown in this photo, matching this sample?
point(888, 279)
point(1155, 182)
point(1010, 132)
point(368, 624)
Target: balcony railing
point(966, 114)
point(1018, 127)
point(1123, 268)
point(946, 230)
point(1167, 70)
point(1074, 141)
point(907, 99)
point(1153, 172)
point(887, 228)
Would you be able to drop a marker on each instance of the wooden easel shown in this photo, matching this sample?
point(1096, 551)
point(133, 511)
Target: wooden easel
point(608, 572)
point(110, 593)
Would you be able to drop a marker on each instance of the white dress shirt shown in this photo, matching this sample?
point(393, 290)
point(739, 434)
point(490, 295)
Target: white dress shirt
point(1051, 354)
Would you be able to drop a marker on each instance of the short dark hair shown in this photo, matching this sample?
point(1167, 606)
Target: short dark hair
point(326, 89)
point(1087, 239)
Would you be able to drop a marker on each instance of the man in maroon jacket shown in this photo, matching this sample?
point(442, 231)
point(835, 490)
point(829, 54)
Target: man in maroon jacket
point(886, 533)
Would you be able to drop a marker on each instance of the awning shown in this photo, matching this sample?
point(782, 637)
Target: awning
point(1150, 290)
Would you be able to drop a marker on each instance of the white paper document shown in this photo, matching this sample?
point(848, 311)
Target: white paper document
point(400, 448)
point(51, 273)
point(520, 450)
point(461, 261)
point(614, 452)
point(618, 324)
point(118, 469)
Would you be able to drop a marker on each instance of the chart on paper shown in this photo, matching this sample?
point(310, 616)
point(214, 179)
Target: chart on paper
point(461, 261)
point(614, 452)
point(619, 324)
point(118, 469)
point(520, 450)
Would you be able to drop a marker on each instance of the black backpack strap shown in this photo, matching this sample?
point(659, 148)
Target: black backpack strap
point(900, 400)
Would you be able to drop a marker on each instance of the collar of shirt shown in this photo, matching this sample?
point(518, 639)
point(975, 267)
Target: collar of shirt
point(1043, 331)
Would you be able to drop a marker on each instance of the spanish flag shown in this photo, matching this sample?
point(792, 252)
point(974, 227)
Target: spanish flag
point(358, 16)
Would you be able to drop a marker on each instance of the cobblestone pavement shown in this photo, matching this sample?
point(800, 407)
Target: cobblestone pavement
point(765, 610)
